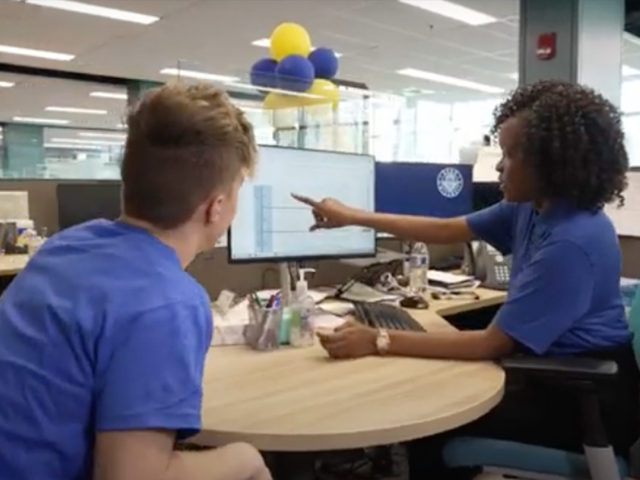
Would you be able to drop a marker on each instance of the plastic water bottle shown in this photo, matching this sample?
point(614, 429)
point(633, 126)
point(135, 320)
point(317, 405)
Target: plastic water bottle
point(419, 268)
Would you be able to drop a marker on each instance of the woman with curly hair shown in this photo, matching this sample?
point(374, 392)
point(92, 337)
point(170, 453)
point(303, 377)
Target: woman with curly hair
point(563, 159)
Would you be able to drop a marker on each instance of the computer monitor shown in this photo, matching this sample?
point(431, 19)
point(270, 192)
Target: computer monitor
point(486, 194)
point(271, 226)
point(81, 202)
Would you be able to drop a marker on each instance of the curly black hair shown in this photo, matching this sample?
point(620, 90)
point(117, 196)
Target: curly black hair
point(573, 140)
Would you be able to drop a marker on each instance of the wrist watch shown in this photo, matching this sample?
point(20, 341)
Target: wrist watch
point(383, 341)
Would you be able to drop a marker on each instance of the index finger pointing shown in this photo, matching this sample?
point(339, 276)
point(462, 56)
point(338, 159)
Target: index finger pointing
point(306, 200)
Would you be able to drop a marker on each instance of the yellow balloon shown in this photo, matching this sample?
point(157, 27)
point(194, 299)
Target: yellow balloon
point(289, 39)
point(278, 101)
point(323, 91)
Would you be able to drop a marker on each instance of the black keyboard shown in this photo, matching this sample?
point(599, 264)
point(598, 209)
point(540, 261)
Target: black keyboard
point(383, 315)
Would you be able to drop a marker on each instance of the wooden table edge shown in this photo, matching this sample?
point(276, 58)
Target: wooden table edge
point(351, 440)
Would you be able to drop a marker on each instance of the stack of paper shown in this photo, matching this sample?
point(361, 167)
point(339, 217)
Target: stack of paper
point(359, 292)
point(450, 281)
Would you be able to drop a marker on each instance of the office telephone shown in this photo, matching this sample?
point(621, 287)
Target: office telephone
point(488, 265)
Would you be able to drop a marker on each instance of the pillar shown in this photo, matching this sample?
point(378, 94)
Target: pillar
point(588, 43)
point(23, 150)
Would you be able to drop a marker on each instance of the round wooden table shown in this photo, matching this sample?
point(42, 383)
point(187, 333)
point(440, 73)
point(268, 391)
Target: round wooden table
point(297, 400)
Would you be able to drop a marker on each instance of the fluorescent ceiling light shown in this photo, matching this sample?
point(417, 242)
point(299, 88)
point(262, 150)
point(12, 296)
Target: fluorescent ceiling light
point(29, 52)
point(53, 121)
point(453, 11)
point(266, 43)
point(90, 111)
point(6, 84)
point(112, 13)
point(120, 136)
point(117, 96)
point(198, 75)
point(72, 147)
point(85, 142)
point(457, 82)
point(263, 42)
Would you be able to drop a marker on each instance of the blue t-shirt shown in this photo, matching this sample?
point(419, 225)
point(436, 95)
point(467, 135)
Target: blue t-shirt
point(103, 330)
point(564, 294)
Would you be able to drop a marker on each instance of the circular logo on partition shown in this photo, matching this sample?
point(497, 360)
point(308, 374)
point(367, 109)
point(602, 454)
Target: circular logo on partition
point(450, 182)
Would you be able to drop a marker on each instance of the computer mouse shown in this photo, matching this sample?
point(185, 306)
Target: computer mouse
point(415, 302)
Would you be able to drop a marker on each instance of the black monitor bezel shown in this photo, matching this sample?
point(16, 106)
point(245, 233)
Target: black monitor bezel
point(313, 258)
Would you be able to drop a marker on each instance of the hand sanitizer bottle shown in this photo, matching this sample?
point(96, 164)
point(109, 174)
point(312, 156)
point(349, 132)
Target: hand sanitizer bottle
point(301, 329)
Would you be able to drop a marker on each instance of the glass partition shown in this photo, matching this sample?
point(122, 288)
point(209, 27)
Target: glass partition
point(64, 129)
point(57, 128)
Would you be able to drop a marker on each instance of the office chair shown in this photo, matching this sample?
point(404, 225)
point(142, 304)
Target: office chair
point(528, 462)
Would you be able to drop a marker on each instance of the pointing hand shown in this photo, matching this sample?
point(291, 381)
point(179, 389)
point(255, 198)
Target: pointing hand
point(328, 212)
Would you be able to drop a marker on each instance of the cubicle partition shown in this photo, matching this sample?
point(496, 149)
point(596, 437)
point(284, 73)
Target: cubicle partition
point(214, 272)
point(211, 269)
point(434, 189)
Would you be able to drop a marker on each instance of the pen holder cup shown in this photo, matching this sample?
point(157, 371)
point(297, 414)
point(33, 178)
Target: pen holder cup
point(263, 330)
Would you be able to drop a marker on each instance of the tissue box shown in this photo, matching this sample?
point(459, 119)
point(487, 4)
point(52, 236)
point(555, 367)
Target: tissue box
point(228, 334)
point(228, 328)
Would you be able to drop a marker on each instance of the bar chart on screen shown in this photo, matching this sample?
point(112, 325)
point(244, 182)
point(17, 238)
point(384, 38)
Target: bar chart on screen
point(626, 218)
point(282, 222)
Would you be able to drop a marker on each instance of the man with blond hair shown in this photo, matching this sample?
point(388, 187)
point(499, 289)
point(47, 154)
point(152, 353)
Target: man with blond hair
point(104, 334)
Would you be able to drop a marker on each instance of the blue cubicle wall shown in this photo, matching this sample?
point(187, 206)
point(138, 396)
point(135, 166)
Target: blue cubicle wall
point(433, 189)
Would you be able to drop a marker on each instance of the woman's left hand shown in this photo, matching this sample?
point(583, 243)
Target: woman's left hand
point(350, 340)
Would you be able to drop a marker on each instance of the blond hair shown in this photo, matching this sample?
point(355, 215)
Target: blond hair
point(184, 143)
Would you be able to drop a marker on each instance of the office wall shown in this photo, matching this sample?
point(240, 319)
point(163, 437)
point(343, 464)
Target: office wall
point(212, 269)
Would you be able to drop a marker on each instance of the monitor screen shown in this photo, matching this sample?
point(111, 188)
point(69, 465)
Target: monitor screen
point(486, 194)
point(272, 226)
point(81, 202)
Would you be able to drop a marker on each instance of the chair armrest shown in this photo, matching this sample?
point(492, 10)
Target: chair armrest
point(563, 368)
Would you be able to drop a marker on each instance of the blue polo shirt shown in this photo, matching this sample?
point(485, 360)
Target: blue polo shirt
point(102, 331)
point(564, 294)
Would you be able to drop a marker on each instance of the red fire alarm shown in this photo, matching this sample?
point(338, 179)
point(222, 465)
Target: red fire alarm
point(546, 48)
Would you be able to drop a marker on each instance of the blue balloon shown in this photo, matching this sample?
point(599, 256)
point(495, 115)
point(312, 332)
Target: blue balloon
point(295, 73)
point(263, 73)
point(325, 62)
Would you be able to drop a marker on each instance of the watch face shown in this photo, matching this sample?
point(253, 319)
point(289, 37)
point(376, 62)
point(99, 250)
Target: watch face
point(382, 342)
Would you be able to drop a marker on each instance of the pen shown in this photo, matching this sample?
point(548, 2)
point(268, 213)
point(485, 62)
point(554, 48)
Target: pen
point(256, 300)
point(273, 299)
point(343, 288)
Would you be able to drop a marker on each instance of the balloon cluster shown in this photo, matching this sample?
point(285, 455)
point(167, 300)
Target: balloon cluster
point(300, 73)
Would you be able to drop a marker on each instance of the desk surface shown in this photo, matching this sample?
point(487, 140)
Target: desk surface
point(299, 400)
point(12, 264)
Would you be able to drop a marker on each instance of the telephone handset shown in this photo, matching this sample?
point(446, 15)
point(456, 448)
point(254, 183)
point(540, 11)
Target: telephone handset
point(488, 265)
